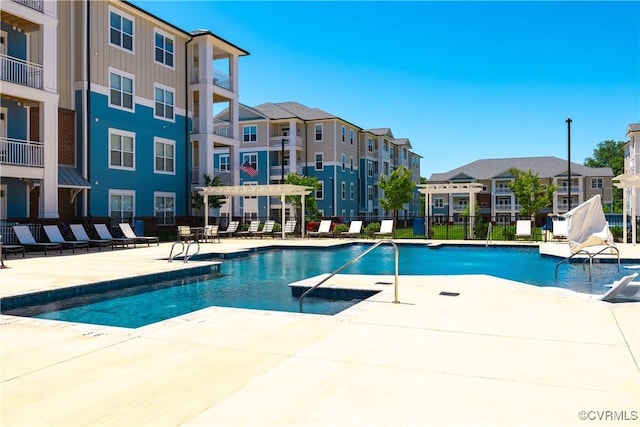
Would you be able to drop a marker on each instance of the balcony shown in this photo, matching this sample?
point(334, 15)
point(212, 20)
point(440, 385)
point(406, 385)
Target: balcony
point(21, 72)
point(21, 153)
point(276, 171)
point(32, 4)
point(502, 190)
point(218, 127)
point(276, 141)
point(565, 190)
point(219, 79)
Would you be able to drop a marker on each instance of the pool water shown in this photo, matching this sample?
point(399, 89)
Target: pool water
point(260, 281)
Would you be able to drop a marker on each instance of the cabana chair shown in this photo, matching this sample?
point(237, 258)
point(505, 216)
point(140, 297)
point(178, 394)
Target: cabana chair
point(267, 230)
point(560, 229)
point(129, 234)
point(386, 229)
point(523, 229)
point(231, 230)
point(324, 229)
point(105, 234)
point(26, 239)
point(355, 230)
point(81, 234)
point(211, 232)
point(254, 227)
point(624, 289)
point(54, 235)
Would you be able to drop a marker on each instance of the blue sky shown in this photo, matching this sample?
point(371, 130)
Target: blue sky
point(462, 80)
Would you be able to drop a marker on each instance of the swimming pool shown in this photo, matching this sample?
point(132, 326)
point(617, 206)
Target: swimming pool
point(260, 281)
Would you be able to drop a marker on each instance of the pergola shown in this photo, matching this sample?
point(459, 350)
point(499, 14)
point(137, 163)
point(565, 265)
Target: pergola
point(470, 188)
point(281, 190)
point(628, 181)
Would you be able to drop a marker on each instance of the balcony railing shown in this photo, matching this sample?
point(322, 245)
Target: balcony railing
point(276, 171)
point(502, 190)
point(564, 190)
point(33, 4)
point(20, 72)
point(219, 79)
point(276, 141)
point(21, 153)
point(219, 127)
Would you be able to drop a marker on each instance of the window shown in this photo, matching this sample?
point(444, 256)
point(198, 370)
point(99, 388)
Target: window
point(224, 163)
point(370, 169)
point(164, 103)
point(165, 156)
point(318, 132)
point(252, 159)
point(319, 160)
point(164, 49)
point(352, 191)
point(385, 168)
point(121, 149)
point(343, 132)
point(344, 161)
point(250, 133)
point(438, 202)
point(370, 145)
point(121, 203)
point(351, 163)
point(121, 30)
point(120, 90)
point(351, 136)
point(320, 191)
point(370, 193)
point(165, 208)
point(343, 190)
point(385, 146)
point(596, 183)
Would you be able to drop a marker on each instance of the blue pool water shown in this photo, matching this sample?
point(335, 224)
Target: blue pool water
point(260, 281)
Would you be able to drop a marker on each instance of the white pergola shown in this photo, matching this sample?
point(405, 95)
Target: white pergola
point(470, 188)
point(281, 190)
point(626, 182)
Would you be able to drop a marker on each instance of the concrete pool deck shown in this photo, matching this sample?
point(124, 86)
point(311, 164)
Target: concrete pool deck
point(499, 354)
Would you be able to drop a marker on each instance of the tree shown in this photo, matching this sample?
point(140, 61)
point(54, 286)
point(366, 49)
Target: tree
point(197, 199)
point(529, 192)
point(398, 190)
point(423, 197)
point(310, 205)
point(609, 154)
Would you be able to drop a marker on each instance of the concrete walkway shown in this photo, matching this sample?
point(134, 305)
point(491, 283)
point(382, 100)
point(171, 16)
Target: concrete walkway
point(499, 354)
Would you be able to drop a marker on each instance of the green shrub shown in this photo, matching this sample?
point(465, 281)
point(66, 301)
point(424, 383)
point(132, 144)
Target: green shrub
point(373, 227)
point(339, 228)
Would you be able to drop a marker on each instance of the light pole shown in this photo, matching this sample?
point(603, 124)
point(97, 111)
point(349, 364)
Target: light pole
point(569, 161)
point(282, 164)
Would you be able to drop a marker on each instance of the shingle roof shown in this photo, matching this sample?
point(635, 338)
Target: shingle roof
point(633, 127)
point(380, 131)
point(286, 110)
point(545, 167)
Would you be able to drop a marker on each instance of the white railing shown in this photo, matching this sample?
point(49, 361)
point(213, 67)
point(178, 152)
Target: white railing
point(276, 171)
point(276, 141)
point(502, 190)
point(222, 128)
point(218, 79)
point(503, 207)
point(33, 4)
point(21, 72)
point(21, 153)
point(564, 190)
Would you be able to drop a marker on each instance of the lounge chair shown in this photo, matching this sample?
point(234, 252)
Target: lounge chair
point(105, 234)
point(289, 227)
point(9, 249)
point(386, 229)
point(81, 234)
point(54, 235)
point(254, 227)
point(624, 289)
point(560, 229)
point(324, 229)
point(129, 234)
point(523, 229)
point(26, 239)
point(211, 232)
point(231, 230)
point(355, 230)
point(267, 230)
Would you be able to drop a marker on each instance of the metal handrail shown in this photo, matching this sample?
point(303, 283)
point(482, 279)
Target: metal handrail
point(589, 259)
point(351, 262)
point(186, 254)
point(488, 235)
point(171, 256)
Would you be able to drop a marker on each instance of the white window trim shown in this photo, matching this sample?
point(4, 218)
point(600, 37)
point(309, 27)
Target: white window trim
point(249, 126)
point(352, 191)
point(351, 136)
point(166, 89)
point(166, 142)
point(321, 188)
point(130, 76)
point(351, 166)
point(133, 23)
point(343, 190)
point(321, 132)
point(121, 132)
point(315, 161)
point(118, 192)
point(246, 157)
point(166, 36)
point(228, 164)
point(343, 159)
point(165, 194)
point(343, 134)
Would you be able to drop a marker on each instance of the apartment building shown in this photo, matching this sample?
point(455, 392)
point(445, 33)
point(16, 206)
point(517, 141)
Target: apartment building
point(498, 203)
point(632, 164)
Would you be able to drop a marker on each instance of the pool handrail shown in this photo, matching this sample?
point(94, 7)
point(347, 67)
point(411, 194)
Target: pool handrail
point(348, 263)
point(589, 258)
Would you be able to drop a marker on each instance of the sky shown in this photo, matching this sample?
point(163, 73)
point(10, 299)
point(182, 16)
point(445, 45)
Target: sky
point(461, 80)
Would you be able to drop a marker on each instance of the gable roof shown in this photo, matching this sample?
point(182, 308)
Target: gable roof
point(545, 167)
point(380, 132)
point(289, 110)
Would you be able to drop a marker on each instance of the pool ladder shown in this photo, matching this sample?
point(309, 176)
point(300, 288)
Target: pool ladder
point(186, 253)
point(308, 291)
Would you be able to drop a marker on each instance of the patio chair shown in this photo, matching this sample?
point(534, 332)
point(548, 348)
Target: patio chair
point(231, 230)
point(624, 289)
point(523, 229)
point(324, 229)
point(185, 234)
point(81, 234)
point(267, 230)
point(386, 229)
point(355, 230)
point(105, 234)
point(254, 227)
point(55, 236)
point(211, 232)
point(129, 234)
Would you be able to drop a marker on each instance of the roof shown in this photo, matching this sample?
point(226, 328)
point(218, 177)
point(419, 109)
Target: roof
point(292, 110)
point(545, 167)
point(380, 132)
point(633, 127)
point(69, 177)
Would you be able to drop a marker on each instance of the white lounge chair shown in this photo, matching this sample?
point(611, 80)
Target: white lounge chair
point(386, 229)
point(105, 234)
point(81, 234)
point(289, 227)
point(129, 234)
point(523, 229)
point(355, 230)
point(324, 229)
point(54, 235)
point(267, 230)
point(211, 232)
point(624, 289)
point(560, 229)
point(254, 227)
point(231, 230)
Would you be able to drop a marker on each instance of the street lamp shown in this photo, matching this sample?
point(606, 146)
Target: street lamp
point(282, 164)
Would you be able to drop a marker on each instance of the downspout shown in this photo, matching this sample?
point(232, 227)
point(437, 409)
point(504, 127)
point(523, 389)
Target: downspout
point(86, 116)
point(188, 153)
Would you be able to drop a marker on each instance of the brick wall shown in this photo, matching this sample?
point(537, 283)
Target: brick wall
point(66, 137)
